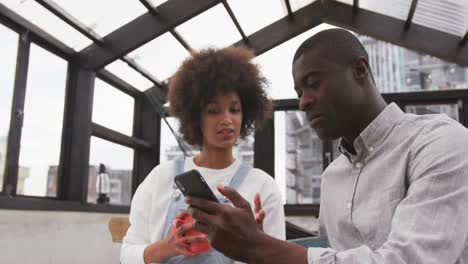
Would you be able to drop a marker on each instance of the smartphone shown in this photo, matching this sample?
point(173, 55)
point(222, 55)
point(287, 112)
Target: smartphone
point(191, 183)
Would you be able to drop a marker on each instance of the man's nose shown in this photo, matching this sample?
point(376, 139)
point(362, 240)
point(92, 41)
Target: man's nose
point(306, 102)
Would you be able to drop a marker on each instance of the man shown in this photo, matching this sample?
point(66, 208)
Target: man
point(398, 193)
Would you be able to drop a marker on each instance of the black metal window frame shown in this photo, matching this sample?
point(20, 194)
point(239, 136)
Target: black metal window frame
point(77, 128)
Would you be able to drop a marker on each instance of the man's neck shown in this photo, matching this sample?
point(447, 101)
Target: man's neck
point(367, 114)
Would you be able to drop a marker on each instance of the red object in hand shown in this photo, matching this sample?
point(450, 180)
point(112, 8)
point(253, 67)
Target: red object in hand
point(197, 247)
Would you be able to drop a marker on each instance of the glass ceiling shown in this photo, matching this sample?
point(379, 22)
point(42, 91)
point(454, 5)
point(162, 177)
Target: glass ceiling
point(42, 18)
point(102, 16)
point(212, 28)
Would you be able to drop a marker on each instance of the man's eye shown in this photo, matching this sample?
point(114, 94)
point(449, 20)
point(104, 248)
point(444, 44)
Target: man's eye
point(314, 84)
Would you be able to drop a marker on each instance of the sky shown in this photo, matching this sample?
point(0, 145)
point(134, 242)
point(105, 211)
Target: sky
point(43, 113)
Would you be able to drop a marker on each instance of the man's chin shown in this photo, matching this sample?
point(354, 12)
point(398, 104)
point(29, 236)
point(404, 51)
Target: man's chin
point(324, 134)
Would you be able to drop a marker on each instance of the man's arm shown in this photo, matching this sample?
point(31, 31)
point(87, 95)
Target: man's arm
point(233, 231)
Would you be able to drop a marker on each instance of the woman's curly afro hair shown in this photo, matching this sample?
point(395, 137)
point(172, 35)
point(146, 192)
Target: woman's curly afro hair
point(208, 73)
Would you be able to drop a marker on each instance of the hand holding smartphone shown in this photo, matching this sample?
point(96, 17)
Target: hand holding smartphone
point(191, 183)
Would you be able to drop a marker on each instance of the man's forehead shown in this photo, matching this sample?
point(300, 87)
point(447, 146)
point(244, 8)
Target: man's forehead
point(314, 60)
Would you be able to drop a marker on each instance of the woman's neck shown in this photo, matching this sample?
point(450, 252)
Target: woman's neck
point(214, 159)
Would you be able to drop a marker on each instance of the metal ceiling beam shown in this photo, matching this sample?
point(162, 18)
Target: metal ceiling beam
point(36, 34)
point(153, 10)
point(181, 40)
point(142, 30)
point(118, 83)
point(288, 8)
point(234, 19)
point(389, 29)
point(355, 6)
point(76, 24)
point(409, 20)
point(464, 39)
point(69, 19)
point(284, 29)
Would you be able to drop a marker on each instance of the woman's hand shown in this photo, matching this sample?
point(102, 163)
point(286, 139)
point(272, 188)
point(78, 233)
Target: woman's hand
point(161, 250)
point(259, 213)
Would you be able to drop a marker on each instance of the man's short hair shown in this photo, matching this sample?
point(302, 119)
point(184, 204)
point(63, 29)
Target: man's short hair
point(337, 44)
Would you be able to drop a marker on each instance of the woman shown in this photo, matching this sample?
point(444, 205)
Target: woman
point(218, 97)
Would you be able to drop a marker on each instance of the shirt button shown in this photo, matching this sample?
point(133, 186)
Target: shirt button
point(348, 206)
point(371, 149)
point(176, 196)
point(358, 165)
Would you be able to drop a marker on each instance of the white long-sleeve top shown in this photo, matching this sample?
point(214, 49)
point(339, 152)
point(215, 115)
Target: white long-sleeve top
point(153, 197)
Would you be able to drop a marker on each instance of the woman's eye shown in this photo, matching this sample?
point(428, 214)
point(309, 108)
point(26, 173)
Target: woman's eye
point(213, 111)
point(236, 110)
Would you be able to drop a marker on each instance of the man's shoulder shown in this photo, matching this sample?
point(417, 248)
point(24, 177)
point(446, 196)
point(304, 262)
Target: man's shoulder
point(433, 124)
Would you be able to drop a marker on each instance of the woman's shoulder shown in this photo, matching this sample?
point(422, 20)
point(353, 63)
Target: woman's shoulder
point(260, 176)
point(161, 172)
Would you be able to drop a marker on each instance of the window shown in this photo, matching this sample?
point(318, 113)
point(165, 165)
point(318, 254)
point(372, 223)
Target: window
point(42, 122)
point(7, 78)
point(396, 69)
point(298, 171)
point(112, 108)
point(422, 109)
point(118, 163)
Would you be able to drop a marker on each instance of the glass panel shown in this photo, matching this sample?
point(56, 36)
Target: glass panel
point(103, 16)
point(157, 3)
point(118, 162)
point(423, 109)
point(396, 8)
point(41, 17)
point(124, 72)
point(42, 126)
point(161, 57)
point(213, 28)
point(8, 54)
point(170, 148)
point(112, 108)
point(276, 65)
point(247, 13)
point(298, 4)
point(449, 15)
point(397, 69)
point(298, 158)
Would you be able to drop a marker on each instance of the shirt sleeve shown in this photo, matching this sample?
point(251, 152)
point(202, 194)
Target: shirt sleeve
point(137, 237)
point(429, 225)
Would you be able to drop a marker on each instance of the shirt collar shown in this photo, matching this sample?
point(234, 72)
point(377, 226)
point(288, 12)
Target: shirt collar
point(375, 133)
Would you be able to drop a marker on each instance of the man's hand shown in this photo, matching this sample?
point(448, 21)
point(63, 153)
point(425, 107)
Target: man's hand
point(231, 230)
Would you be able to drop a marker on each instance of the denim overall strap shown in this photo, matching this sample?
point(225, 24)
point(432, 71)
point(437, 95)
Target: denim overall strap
point(240, 175)
point(176, 200)
point(212, 256)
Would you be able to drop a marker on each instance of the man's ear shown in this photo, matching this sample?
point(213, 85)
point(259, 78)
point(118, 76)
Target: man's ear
point(361, 69)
